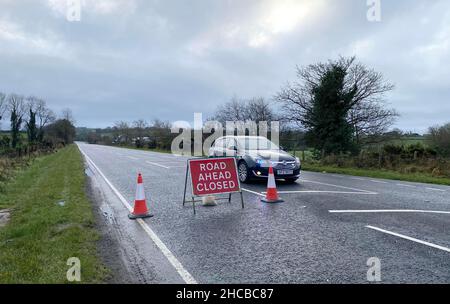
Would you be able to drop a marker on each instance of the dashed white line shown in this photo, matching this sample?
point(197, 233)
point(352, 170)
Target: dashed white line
point(253, 192)
point(337, 186)
point(407, 186)
point(389, 211)
point(131, 157)
point(158, 165)
point(377, 181)
point(185, 275)
point(410, 238)
point(435, 189)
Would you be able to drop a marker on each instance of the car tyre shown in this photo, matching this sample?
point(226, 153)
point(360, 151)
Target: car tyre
point(243, 172)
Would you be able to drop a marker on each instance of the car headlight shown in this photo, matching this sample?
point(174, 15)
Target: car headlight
point(261, 162)
point(297, 161)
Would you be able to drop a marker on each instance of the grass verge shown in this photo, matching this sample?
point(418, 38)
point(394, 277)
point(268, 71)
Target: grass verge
point(374, 173)
point(42, 235)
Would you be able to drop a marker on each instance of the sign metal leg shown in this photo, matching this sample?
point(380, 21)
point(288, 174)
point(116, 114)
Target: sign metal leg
point(185, 184)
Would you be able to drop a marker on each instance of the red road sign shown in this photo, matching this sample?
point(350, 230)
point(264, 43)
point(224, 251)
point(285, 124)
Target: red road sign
point(214, 176)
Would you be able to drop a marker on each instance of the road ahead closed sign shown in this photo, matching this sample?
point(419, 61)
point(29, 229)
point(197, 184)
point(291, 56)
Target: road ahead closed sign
point(213, 176)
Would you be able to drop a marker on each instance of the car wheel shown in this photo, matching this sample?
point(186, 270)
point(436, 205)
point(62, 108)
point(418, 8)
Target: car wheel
point(243, 173)
point(291, 180)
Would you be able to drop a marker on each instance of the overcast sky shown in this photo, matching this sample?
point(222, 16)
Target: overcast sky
point(131, 59)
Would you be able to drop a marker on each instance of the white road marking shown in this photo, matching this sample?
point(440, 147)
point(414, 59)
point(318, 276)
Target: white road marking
point(377, 181)
point(185, 275)
point(155, 164)
point(410, 238)
point(337, 186)
point(407, 186)
point(166, 161)
point(332, 192)
point(253, 192)
point(389, 211)
point(435, 189)
point(131, 157)
point(358, 178)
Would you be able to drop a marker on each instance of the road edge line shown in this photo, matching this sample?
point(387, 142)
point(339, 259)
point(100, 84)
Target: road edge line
point(185, 275)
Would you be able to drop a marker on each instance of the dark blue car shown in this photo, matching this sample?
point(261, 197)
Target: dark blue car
point(255, 155)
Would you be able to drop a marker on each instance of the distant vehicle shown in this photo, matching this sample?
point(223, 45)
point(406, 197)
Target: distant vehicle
point(254, 155)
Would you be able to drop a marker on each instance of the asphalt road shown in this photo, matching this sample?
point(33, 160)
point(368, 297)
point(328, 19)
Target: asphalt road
point(325, 231)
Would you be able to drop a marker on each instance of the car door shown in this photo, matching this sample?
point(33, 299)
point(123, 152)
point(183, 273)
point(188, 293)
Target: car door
point(231, 147)
point(218, 148)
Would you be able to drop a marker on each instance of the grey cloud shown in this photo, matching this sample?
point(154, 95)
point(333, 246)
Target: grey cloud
point(169, 59)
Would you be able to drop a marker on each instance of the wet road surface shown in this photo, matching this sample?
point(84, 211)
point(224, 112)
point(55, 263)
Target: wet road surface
point(325, 231)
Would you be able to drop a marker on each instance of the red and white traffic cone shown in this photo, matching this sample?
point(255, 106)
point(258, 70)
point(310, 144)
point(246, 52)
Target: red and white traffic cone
point(140, 204)
point(272, 193)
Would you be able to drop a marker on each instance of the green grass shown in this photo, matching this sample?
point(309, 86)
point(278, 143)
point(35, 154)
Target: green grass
point(42, 235)
point(374, 173)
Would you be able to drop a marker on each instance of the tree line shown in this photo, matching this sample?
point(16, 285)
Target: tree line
point(336, 107)
point(33, 124)
point(139, 133)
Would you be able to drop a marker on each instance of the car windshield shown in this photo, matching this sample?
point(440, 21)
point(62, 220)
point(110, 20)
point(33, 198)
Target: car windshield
point(256, 143)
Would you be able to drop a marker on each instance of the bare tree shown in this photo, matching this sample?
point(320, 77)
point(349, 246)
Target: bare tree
point(67, 114)
point(160, 134)
point(38, 116)
point(370, 119)
point(258, 109)
point(140, 127)
point(122, 132)
point(44, 114)
point(255, 109)
point(366, 111)
point(234, 110)
point(3, 106)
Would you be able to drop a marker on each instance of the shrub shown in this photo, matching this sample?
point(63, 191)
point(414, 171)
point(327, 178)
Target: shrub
point(439, 139)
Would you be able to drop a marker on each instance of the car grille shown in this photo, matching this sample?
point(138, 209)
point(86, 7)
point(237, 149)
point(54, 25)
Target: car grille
point(284, 165)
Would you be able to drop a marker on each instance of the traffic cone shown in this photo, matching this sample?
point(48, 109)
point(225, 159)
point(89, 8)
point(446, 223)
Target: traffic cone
point(140, 205)
point(272, 193)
